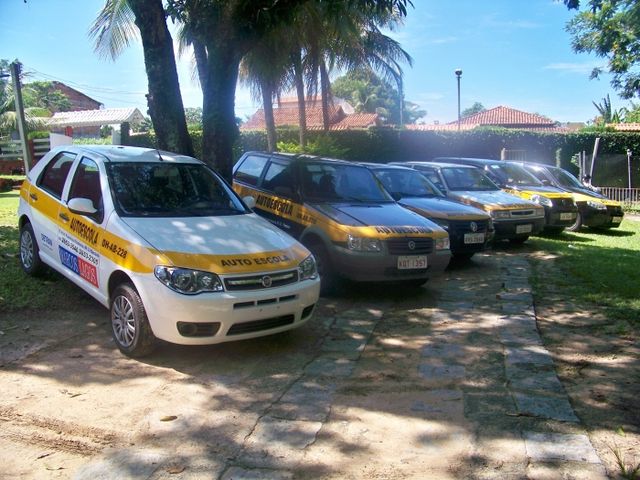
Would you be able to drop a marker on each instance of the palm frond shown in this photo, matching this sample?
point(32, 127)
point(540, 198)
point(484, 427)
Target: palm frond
point(113, 29)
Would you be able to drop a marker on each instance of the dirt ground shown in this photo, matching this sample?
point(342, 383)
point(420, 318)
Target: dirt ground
point(347, 391)
point(600, 372)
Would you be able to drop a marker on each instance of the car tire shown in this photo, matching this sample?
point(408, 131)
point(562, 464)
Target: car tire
point(29, 251)
point(577, 225)
point(129, 323)
point(519, 240)
point(329, 279)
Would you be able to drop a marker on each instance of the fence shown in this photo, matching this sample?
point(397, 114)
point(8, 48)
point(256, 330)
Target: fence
point(629, 197)
point(11, 161)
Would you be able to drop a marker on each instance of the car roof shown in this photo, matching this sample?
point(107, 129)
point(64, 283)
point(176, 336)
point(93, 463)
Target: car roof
point(120, 153)
point(380, 166)
point(469, 160)
point(440, 164)
point(304, 157)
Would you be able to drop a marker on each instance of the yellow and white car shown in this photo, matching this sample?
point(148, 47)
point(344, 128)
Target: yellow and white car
point(166, 244)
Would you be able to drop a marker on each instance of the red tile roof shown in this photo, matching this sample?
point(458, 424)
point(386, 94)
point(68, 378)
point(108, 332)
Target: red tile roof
point(286, 114)
point(625, 127)
point(507, 117)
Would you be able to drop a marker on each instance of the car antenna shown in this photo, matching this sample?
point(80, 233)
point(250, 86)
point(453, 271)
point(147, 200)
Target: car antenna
point(159, 156)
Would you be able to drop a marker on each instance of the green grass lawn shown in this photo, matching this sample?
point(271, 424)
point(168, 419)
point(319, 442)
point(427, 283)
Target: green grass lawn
point(597, 269)
point(17, 290)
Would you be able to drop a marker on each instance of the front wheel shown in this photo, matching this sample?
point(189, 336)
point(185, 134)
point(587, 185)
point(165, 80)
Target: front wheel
point(329, 279)
point(129, 323)
point(29, 251)
point(577, 225)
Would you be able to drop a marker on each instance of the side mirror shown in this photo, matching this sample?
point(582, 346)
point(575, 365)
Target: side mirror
point(397, 196)
point(249, 201)
point(82, 206)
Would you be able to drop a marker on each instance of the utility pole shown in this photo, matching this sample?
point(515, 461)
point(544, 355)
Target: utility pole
point(22, 130)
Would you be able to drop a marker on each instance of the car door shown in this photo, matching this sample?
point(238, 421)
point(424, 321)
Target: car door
point(80, 234)
point(44, 202)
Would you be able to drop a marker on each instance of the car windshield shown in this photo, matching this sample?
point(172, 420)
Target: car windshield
point(463, 179)
point(565, 179)
point(510, 174)
point(407, 183)
point(170, 190)
point(335, 182)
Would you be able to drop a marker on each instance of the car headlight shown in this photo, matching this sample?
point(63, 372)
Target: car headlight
point(540, 200)
point(361, 244)
point(442, 223)
point(501, 214)
point(597, 205)
point(307, 269)
point(442, 243)
point(187, 281)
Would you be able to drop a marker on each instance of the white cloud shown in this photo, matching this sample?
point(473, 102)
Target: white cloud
point(581, 68)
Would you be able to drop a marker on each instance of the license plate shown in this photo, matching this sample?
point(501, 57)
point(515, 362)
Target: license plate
point(616, 219)
point(567, 216)
point(412, 262)
point(524, 228)
point(474, 237)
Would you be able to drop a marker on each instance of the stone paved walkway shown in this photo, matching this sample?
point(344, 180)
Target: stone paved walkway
point(451, 381)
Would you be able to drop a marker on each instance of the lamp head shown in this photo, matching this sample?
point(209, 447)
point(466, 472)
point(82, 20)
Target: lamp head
point(458, 72)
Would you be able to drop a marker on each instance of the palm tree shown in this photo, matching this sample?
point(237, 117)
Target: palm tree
point(114, 29)
point(607, 113)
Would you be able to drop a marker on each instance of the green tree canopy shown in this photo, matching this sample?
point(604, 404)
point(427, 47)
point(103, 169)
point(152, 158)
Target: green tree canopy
point(610, 29)
point(367, 92)
point(477, 107)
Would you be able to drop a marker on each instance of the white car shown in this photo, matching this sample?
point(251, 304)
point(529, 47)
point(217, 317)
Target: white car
point(163, 242)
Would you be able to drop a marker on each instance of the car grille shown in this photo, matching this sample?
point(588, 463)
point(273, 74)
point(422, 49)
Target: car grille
point(563, 202)
point(410, 246)
point(262, 281)
point(614, 210)
point(522, 213)
point(464, 226)
point(260, 325)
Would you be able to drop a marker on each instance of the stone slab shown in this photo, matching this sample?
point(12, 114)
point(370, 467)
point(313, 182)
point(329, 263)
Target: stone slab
point(552, 407)
point(549, 447)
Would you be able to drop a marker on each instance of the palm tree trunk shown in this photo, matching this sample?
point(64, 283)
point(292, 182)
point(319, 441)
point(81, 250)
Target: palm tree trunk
point(219, 128)
point(267, 107)
point(325, 88)
point(302, 114)
point(165, 101)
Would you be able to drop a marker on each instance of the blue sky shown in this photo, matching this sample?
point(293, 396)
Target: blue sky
point(512, 52)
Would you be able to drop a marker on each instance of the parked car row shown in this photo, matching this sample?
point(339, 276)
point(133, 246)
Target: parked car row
point(177, 254)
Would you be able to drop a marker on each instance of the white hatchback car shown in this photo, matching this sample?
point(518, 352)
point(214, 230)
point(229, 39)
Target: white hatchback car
point(162, 241)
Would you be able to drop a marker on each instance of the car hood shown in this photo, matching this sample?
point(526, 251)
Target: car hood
point(491, 199)
point(374, 215)
point(587, 195)
point(527, 191)
point(224, 244)
point(438, 207)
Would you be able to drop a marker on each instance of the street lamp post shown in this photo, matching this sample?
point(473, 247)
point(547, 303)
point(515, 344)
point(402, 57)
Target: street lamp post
point(458, 73)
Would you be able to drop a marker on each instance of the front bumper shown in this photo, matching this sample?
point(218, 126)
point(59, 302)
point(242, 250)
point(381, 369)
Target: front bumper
point(224, 316)
point(609, 218)
point(556, 217)
point(508, 229)
point(383, 267)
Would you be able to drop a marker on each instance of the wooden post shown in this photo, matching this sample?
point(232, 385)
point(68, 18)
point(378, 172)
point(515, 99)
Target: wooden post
point(22, 130)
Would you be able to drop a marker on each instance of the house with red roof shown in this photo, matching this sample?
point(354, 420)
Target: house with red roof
point(501, 116)
point(341, 116)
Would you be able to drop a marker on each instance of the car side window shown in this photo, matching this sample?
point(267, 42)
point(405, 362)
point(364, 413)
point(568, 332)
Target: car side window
point(55, 174)
point(86, 184)
point(279, 179)
point(434, 177)
point(250, 170)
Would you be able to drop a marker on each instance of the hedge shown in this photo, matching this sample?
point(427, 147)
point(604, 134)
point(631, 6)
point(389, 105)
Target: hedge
point(383, 145)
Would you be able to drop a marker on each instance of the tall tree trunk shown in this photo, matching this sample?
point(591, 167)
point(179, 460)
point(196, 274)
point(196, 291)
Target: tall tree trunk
point(165, 100)
point(302, 113)
point(200, 54)
point(325, 91)
point(267, 107)
point(219, 129)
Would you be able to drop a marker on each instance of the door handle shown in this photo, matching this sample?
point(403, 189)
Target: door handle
point(64, 217)
point(33, 196)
